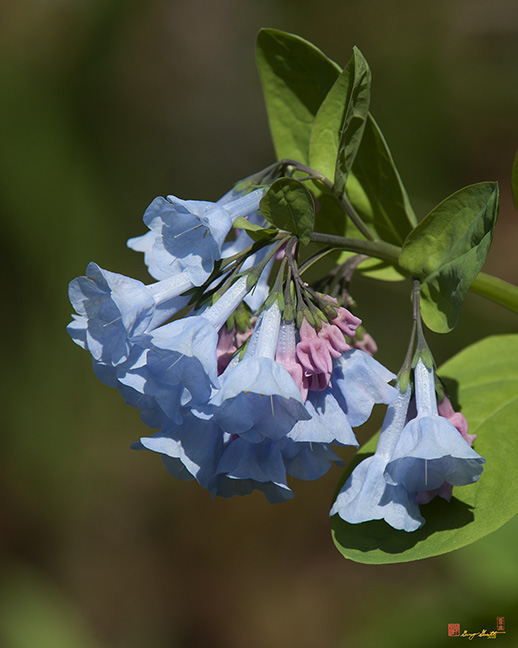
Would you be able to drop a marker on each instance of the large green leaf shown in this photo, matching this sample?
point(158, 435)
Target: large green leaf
point(486, 375)
point(447, 249)
point(289, 206)
point(296, 77)
point(336, 139)
point(338, 127)
point(375, 189)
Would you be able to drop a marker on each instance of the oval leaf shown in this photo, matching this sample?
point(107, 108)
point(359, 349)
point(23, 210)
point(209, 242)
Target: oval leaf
point(486, 374)
point(339, 123)
point(296, 76)
point(447, 249)
point(353, 125)
point(289, 206)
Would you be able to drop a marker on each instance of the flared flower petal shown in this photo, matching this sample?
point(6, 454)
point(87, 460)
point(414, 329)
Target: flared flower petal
point(308, 461)
point(430, 450)
point(245, 467)
point(328, 423)
point(358, 382)
point(188, 235)
point(197, 444)
point(178, 363)
point(258, 398)
point(366, 495)
point(113, 308)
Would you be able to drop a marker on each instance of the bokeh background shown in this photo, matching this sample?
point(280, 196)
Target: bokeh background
point(105, 104)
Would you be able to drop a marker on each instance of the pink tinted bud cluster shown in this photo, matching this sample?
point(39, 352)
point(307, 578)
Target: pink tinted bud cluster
point(346, 321)
point(458, 420)
point(313, 351)
point(229, 341)
point(316, 350)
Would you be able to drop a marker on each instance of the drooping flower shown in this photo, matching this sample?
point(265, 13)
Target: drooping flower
point(358, 383)
point(328, 422)
point(258, 398)
point(188, 235)
point(308, 461)
point(366, 495)
point(245, 467)
point(190, 449)
point(430, 450)
point(227, 464)
point(458, 420)
point(112, 309)
point(180, 365)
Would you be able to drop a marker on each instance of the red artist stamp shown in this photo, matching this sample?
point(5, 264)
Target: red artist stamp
point(500, 624)
point(453, 629)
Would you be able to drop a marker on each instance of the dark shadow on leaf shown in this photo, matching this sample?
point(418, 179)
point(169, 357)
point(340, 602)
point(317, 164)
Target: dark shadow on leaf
point(377, 535)
point(451, 388)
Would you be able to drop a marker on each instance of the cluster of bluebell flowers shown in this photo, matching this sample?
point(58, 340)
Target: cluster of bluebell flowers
point(247, 380)
point(423, 451)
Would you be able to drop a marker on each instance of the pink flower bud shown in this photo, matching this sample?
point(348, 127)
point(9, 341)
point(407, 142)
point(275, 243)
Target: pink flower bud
point(457, 419)
point(346, 322)
point(312, 352)
point(334, 338)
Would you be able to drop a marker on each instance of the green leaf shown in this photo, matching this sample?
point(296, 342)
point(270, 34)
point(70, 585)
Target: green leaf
point(447, 250)
point(335, 137)
point(296, 77)
point(255, 232)
point(486, 375)
point(514, 181)
point(376, 191)
point(289, 206)
point(338, 127)
point(353, 125)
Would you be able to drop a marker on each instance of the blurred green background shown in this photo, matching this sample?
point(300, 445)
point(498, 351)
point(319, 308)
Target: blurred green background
point(106, 104)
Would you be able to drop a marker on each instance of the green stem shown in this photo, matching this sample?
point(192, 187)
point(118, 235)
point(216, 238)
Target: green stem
point(497, 290)
point(377, 249)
